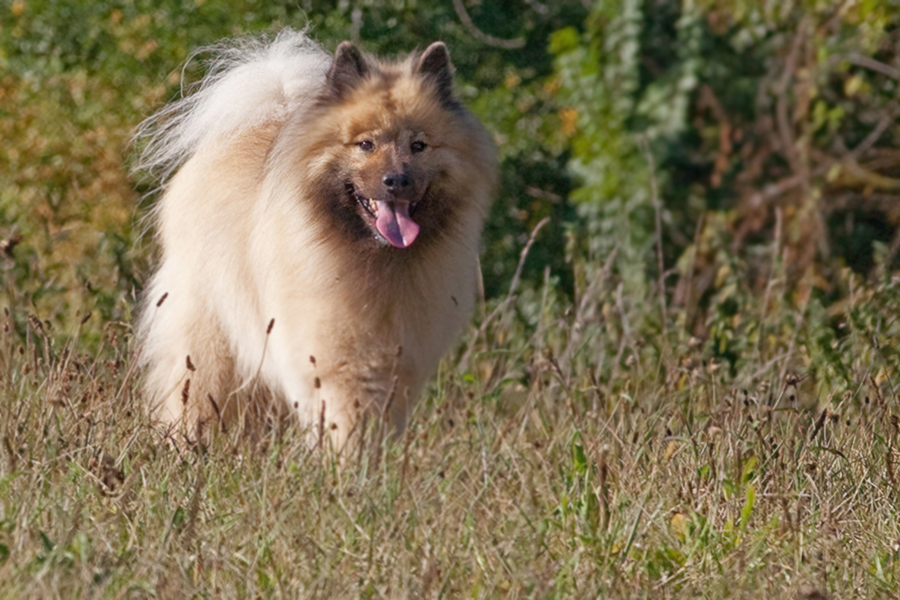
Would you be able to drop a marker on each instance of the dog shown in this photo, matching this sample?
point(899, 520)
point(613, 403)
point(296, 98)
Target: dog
point(319, 226)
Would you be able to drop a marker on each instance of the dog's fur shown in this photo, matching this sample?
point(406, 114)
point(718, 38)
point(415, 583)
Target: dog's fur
point(342, 197)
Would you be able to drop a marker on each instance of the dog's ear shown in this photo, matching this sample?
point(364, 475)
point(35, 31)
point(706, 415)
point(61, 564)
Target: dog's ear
point(348, 69)
point(435, 64)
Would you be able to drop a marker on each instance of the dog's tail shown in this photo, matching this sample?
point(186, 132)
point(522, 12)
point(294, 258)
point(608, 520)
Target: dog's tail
point(248, 82)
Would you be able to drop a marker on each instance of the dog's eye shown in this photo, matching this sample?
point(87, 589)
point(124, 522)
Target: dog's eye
point(417, 147)
point(366, 145)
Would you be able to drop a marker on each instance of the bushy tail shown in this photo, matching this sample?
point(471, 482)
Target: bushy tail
point(248, 82)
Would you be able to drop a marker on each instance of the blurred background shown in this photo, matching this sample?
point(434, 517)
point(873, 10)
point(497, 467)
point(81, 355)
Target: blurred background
point(706, 148)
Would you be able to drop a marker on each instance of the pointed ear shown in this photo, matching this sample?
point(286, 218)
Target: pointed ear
point(435, 64)
point(348, 69)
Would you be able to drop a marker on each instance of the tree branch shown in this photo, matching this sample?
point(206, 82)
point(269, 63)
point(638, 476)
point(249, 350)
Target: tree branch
point(482, 36)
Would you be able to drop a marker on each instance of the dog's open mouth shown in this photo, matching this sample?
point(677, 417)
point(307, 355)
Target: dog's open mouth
point(391, 218)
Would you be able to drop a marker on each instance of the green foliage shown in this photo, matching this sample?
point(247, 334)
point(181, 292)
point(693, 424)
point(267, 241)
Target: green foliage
point(90, 71)
point(757, 120)
point(598, 78)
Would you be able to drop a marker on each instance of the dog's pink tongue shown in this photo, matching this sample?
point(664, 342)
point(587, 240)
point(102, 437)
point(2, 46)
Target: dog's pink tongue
point(394, 223)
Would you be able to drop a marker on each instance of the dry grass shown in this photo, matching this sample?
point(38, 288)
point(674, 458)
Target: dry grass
point(563, 452)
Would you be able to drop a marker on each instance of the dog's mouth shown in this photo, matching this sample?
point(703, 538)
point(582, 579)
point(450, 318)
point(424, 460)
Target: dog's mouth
point(391, 219)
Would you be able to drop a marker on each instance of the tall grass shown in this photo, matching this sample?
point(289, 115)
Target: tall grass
point(569, 448)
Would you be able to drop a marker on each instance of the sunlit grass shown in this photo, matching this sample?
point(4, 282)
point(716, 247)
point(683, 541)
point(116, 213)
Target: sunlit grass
point(533, 468)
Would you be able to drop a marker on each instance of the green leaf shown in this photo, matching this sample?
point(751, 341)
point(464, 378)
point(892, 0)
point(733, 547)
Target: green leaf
point(579, 458)
point(564, 40)
point(749, 503)
point(48, 545)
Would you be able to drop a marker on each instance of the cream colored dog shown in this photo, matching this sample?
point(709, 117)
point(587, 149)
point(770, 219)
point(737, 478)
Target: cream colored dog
point(319, 228)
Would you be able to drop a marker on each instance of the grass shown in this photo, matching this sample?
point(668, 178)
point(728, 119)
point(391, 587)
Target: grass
point(565, 450)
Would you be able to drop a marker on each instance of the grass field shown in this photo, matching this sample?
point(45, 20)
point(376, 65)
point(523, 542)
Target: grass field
point(566, 450)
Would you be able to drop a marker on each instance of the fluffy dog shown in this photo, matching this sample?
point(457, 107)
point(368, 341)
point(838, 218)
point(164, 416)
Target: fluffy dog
point(319, 228)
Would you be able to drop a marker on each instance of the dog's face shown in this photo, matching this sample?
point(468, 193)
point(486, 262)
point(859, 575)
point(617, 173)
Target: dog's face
point(397, 153)
point(391, 138)
point(388, 174)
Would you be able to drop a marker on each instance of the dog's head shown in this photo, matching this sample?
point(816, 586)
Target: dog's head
point(396, 152)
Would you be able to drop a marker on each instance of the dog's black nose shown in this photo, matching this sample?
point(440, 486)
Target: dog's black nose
point(396, 182)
